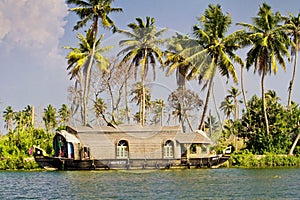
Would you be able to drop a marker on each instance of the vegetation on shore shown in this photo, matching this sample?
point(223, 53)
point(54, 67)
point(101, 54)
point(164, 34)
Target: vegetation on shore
point(110, 93)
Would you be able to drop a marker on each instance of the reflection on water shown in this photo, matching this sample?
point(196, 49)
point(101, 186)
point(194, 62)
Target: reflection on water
point(278, 183)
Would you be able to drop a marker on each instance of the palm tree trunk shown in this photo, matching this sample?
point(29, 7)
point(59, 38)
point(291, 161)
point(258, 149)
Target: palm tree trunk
point(264, 103)
point(143, 101)
point(215, 103)
point(88, 76)
point(189, 122)
point(201, 125)
point(243, 87)
point(126, 101)
point(293, 76)
point(236, 109)
point(294, 144)
point(113, 107)
point(162, 115)
point(143, 88)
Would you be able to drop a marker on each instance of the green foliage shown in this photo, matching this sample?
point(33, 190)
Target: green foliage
point(49, 117)
point(283, 126)
point(248, 159)
point(15, 147)
point(21, 137)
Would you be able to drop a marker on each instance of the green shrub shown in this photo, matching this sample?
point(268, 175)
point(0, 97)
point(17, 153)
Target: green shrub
point(247, 159)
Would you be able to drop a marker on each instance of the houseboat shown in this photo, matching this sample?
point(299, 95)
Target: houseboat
point(129, 147)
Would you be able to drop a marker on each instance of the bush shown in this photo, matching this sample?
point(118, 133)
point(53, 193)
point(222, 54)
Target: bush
point(247, 159)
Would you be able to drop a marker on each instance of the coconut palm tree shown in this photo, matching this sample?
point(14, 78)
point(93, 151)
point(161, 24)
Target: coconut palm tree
point(100, 109)
point(29, 113)
point(227, 106)
point(142, 48)
point(49, 117)
point(233, 94)
point(158, 107)
point(217, 51)
point(64, 114)
point(292, 24)
point(92, 11)
point(142, 97)
point(8, 116)
point(269, 44)
point(79, 62)
point(177, 62)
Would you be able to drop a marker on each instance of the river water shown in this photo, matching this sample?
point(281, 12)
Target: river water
point(272, 183)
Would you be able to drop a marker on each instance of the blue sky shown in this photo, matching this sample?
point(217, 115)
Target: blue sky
point(33, 32)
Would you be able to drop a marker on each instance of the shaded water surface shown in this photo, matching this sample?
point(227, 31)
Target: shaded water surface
point(278, 183)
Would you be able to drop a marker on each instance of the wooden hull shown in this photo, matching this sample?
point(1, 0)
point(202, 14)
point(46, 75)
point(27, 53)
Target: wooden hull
point(71, 164)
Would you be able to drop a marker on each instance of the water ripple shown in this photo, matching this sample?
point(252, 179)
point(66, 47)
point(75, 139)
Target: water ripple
point(275, 183)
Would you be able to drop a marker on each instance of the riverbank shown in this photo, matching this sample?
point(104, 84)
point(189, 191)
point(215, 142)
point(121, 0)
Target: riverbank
point(247, 159)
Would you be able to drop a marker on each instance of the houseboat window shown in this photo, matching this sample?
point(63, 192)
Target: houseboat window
point(168, 149)
point(193, 149)
point(122, 149)
point(204, 149)
point(86, 152)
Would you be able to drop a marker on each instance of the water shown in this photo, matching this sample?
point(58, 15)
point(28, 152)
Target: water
point(275, 183)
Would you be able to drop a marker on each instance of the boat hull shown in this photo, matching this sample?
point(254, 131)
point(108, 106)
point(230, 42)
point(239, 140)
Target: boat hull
point(71, 164)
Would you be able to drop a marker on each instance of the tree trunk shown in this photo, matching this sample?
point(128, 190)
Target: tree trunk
point(215, 103)
point(264, 103)
point(113, 108)
point(236, 109)
point(201, 125)
point(189, 122)
point(143, 103)
point(88, 75)
point(162, 115)
point(294, 144)
point(243, 87)
point(126, 101)
point(143, 87)
point(293, 76)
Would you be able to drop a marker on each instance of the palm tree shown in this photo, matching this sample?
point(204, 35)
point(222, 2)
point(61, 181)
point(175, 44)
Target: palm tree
point(141, 97)
point(233, 94)
point(269, 45)
point(8, 116)
point(49, 117)
point(175, 61)
point(158, 106)
point(29, 113)
point(100, 109)
point(142, 49)
point(211, 124)
point(64, 114)
point(217, 50)
point(231, 104)
point(92, 10)
point(227, 107)
point(78, 63)
point(293, 30)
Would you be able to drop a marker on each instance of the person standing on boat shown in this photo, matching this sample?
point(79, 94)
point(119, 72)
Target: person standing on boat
point(61, 153)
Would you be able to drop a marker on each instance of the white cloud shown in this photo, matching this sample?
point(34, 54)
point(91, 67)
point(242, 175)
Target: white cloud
point(34, 26)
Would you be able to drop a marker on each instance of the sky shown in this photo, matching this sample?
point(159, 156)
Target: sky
point(34, 32)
